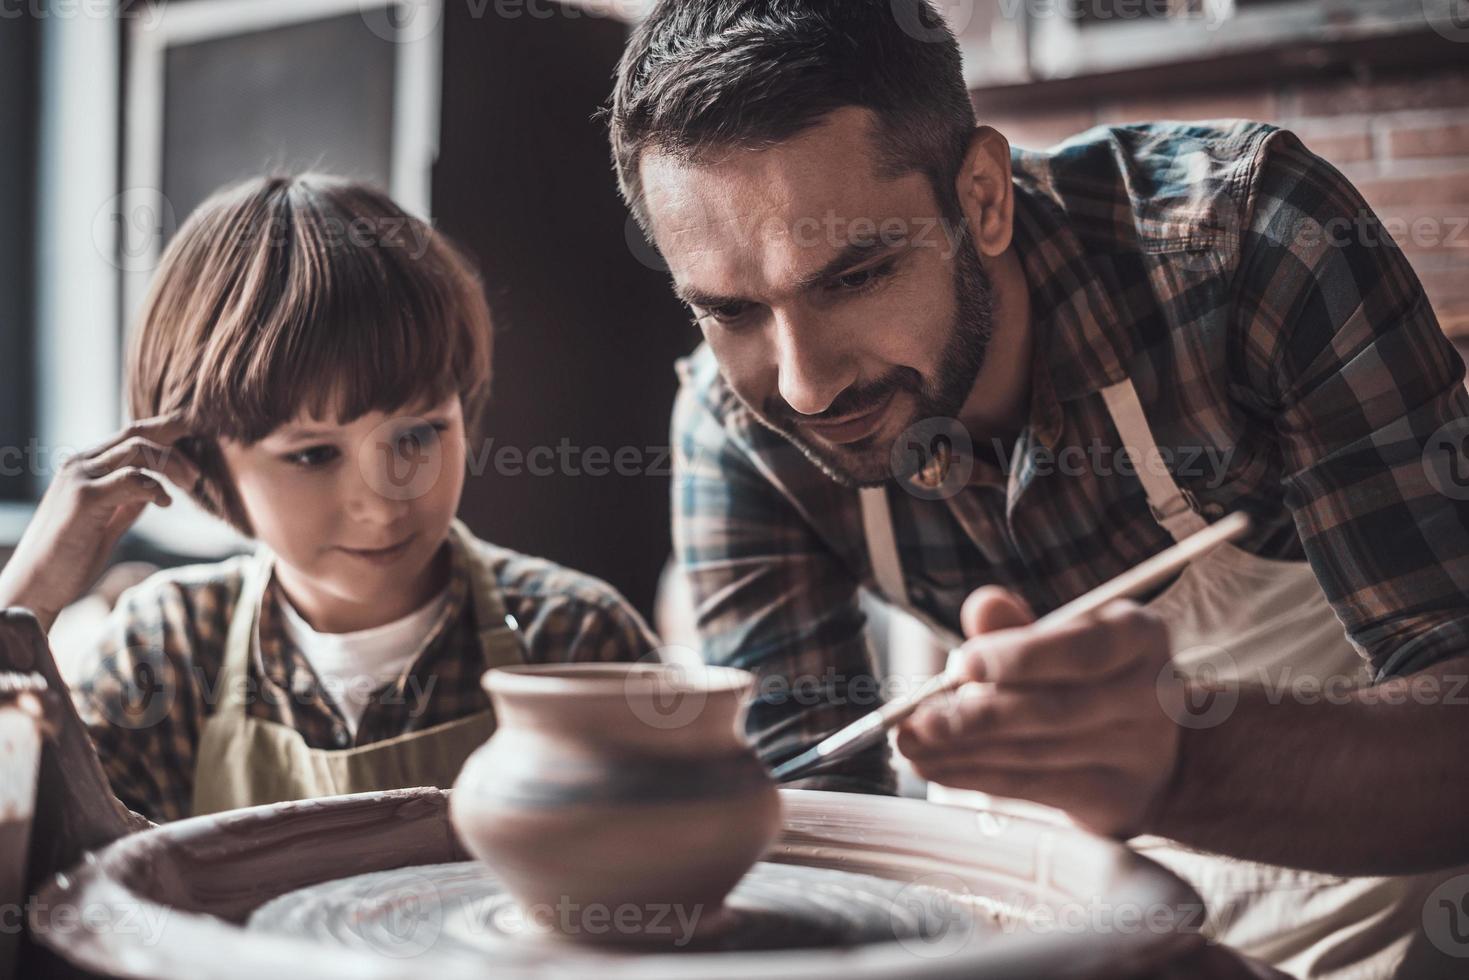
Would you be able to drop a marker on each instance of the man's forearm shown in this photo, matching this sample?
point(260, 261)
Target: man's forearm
point(1373, 781)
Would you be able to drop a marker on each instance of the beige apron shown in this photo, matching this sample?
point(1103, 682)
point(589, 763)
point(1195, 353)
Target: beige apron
point(1235, 616)
point(245, 761)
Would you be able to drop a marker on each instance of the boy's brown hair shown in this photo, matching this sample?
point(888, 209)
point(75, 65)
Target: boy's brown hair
point(309, 292)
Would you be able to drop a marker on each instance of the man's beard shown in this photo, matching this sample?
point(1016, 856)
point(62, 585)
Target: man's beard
point(866, 463)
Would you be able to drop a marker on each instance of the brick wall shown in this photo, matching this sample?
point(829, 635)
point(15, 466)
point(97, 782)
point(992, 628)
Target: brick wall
point(1402, 138)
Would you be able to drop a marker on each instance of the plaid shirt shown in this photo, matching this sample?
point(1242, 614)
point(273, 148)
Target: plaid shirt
point(1287, 362)
point(153, 678)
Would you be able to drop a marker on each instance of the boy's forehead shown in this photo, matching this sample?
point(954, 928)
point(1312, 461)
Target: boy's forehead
point(307, 422)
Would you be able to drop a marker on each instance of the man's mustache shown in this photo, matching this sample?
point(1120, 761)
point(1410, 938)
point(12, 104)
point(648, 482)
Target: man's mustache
point(854, 401)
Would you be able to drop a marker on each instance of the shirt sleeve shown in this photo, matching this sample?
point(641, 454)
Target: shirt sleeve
point(610, 630)
point(135, 695)
point(571, 617)
point(1343, 352)
point(772, 598)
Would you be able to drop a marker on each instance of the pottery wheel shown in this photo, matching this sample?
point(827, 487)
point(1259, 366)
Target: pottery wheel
point(377, 887)
point(462, 907)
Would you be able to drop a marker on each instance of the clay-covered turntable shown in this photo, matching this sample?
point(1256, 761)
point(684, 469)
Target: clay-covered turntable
point(377, 886)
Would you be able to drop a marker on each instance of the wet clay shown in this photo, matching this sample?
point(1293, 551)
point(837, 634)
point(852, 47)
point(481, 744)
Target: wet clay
point(21, 716)
point(622, 790)
point(199, 881)
point(464, 908)
point(15, 836)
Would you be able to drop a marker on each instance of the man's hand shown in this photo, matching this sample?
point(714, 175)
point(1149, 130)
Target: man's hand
point(1070, 717)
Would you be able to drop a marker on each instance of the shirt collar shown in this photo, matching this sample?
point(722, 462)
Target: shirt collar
point(1077, 330)
point(285, 667)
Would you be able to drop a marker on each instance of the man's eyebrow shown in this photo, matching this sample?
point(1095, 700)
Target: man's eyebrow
point(694, 296)
point(853, 254)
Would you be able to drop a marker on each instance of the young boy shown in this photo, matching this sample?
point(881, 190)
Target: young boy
point(309, 366)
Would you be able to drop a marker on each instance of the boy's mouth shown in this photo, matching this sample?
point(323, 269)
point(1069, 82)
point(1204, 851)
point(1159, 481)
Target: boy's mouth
point(388, 554)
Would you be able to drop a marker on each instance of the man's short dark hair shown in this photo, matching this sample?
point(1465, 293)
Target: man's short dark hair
point(700, 75)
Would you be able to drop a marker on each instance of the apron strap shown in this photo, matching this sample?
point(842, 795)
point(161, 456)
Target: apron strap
point(240, 639)
point(882, 544)
point(1172, 506)
point(499, 639)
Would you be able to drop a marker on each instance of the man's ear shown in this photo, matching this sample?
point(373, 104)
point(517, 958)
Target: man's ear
point(985, 191)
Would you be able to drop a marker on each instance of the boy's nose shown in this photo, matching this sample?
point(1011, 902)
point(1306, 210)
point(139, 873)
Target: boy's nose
point(371, 507)
point(388, 481)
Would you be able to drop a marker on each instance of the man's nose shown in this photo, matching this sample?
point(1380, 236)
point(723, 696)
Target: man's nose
point(813, 366)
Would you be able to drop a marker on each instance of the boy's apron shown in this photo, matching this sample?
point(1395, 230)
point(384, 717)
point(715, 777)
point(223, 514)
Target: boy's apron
point(1234, 616)
point(244, 761)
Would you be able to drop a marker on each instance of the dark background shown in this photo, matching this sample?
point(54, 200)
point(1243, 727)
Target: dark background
point(588, 333)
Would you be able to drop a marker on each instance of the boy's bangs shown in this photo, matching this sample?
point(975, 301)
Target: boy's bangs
point(368, 312)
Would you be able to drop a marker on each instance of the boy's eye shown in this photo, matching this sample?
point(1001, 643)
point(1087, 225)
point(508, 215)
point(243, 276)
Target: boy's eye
point(419, 438)
point(312, 456)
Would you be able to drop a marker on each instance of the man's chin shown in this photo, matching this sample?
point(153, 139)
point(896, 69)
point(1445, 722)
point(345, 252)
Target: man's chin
point(857, 465)
point(854, 467)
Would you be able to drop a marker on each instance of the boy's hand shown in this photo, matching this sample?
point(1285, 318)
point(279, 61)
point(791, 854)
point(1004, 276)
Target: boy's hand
point(93, 499)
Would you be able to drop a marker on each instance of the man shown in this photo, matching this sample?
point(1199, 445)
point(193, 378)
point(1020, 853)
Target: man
point(981, 381)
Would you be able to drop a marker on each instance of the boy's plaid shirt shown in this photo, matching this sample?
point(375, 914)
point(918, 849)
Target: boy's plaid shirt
point(1288, 364)
point(153, 678)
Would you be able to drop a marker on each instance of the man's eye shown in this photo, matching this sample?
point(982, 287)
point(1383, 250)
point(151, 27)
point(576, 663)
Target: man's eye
point(727, 312)
point(861, 279)
point(312, 457)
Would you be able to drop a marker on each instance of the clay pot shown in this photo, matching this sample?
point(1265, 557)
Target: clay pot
point(617, 802)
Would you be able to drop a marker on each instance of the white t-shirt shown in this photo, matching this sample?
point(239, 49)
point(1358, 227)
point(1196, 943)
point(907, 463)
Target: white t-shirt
point(351, 666)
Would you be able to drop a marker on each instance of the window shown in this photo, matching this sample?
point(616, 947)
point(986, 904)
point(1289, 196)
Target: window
point(212, 91)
